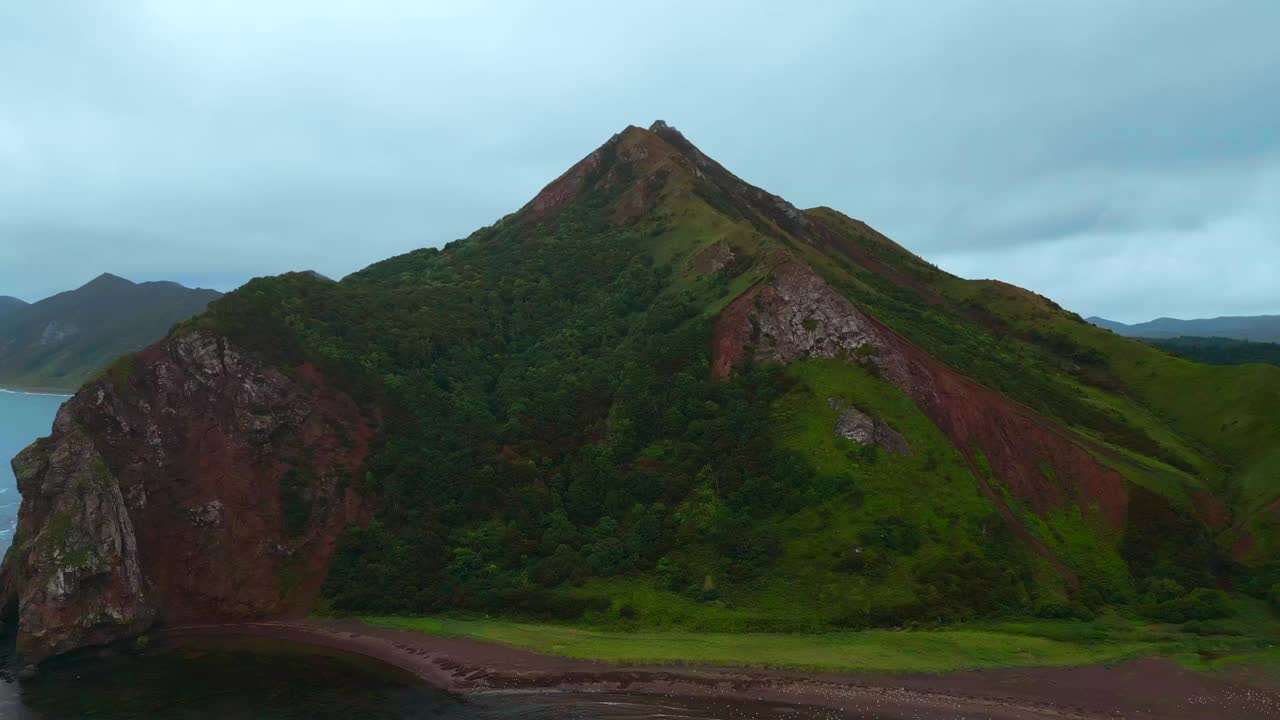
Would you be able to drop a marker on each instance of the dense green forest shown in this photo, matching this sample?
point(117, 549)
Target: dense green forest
point(552, 444)
point(1220, 351)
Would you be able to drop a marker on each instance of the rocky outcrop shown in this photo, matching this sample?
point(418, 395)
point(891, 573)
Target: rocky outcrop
point(716, 257)
point(794, 314)
point(78, 568)
point(162, 496)
point(55, 332)
point(855, 425)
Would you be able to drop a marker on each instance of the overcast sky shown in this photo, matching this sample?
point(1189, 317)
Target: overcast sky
point(1120, 157)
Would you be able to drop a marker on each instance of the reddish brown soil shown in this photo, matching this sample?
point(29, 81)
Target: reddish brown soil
point(1210, 509)
point(1043, 464)
point(566, 188)
point(648, 162)
point(1157, 689)
point(205, 499)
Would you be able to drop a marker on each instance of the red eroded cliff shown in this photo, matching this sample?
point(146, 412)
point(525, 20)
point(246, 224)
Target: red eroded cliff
point(190, 482)
point(794, 314)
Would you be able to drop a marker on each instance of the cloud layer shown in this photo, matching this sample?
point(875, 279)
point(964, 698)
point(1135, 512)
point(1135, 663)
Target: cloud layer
point(1122, 158)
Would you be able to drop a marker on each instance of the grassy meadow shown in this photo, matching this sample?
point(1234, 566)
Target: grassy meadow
point(1249, 637)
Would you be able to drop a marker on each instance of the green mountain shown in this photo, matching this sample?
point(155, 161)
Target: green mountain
point(59, 342)
point(10, 304)
point(659, 395)
point(1258, 328)
point(641, 382)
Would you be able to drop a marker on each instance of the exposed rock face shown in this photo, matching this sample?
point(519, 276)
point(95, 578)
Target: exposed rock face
point(79, 572)
point(794, 314)
point(713, 259)
point(566, 188)
point(855, 425)
point(159, 497)
point(56, 332)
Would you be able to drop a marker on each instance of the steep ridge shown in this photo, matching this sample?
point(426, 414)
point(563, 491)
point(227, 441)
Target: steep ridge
point(623, 401)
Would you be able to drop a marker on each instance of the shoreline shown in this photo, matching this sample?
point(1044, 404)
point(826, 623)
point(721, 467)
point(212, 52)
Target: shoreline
point(14, 390)
point(1151, 688)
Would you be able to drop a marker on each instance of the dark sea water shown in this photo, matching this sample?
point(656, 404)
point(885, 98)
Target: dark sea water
point(23, 418)
point(237, 679)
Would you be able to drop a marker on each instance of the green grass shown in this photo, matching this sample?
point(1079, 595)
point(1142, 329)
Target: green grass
point(1028, 643)
point(931, 489)
point(1220, 420)
point(879, 651)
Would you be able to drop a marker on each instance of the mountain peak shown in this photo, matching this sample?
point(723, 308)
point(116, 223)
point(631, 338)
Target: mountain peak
point(661, 128)
point(9, 304)
point(637, 158)
point(676, 138)
point(648, 167)
point(107, 280)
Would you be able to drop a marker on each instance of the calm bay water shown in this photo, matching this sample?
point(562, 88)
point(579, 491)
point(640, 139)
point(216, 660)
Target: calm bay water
point(23, 418)
point(236, 679)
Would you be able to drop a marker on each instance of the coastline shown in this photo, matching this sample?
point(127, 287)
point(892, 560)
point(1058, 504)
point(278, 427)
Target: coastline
point(1151, 688)
point(17, 390)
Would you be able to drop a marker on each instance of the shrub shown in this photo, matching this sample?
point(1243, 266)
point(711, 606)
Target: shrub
point(1053, 610)
point(895, 535)
point(540, 604)
point(1161, 590)
point(1199, 604)
point(868, 562)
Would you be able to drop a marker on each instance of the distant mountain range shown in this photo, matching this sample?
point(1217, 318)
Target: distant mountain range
point(59, 342)
point(1257, 328)
point(10, 304)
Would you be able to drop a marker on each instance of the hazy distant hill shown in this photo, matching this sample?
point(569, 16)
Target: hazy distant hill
point(58, 342)
point(9, 304)
point(1258, 328)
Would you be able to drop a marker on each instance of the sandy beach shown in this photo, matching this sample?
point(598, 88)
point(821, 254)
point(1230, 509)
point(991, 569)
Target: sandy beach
point(1153, 688)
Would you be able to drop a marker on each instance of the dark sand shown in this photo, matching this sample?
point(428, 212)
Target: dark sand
point(1153, 688)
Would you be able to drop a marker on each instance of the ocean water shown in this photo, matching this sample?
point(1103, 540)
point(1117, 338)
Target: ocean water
point(23, 418)
point(231, 679)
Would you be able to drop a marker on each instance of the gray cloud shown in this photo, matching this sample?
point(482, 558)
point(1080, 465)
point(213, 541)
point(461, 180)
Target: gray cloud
point(1121, 157)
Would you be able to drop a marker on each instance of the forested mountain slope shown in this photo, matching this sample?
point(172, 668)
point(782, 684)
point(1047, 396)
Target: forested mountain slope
point(655, 393)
